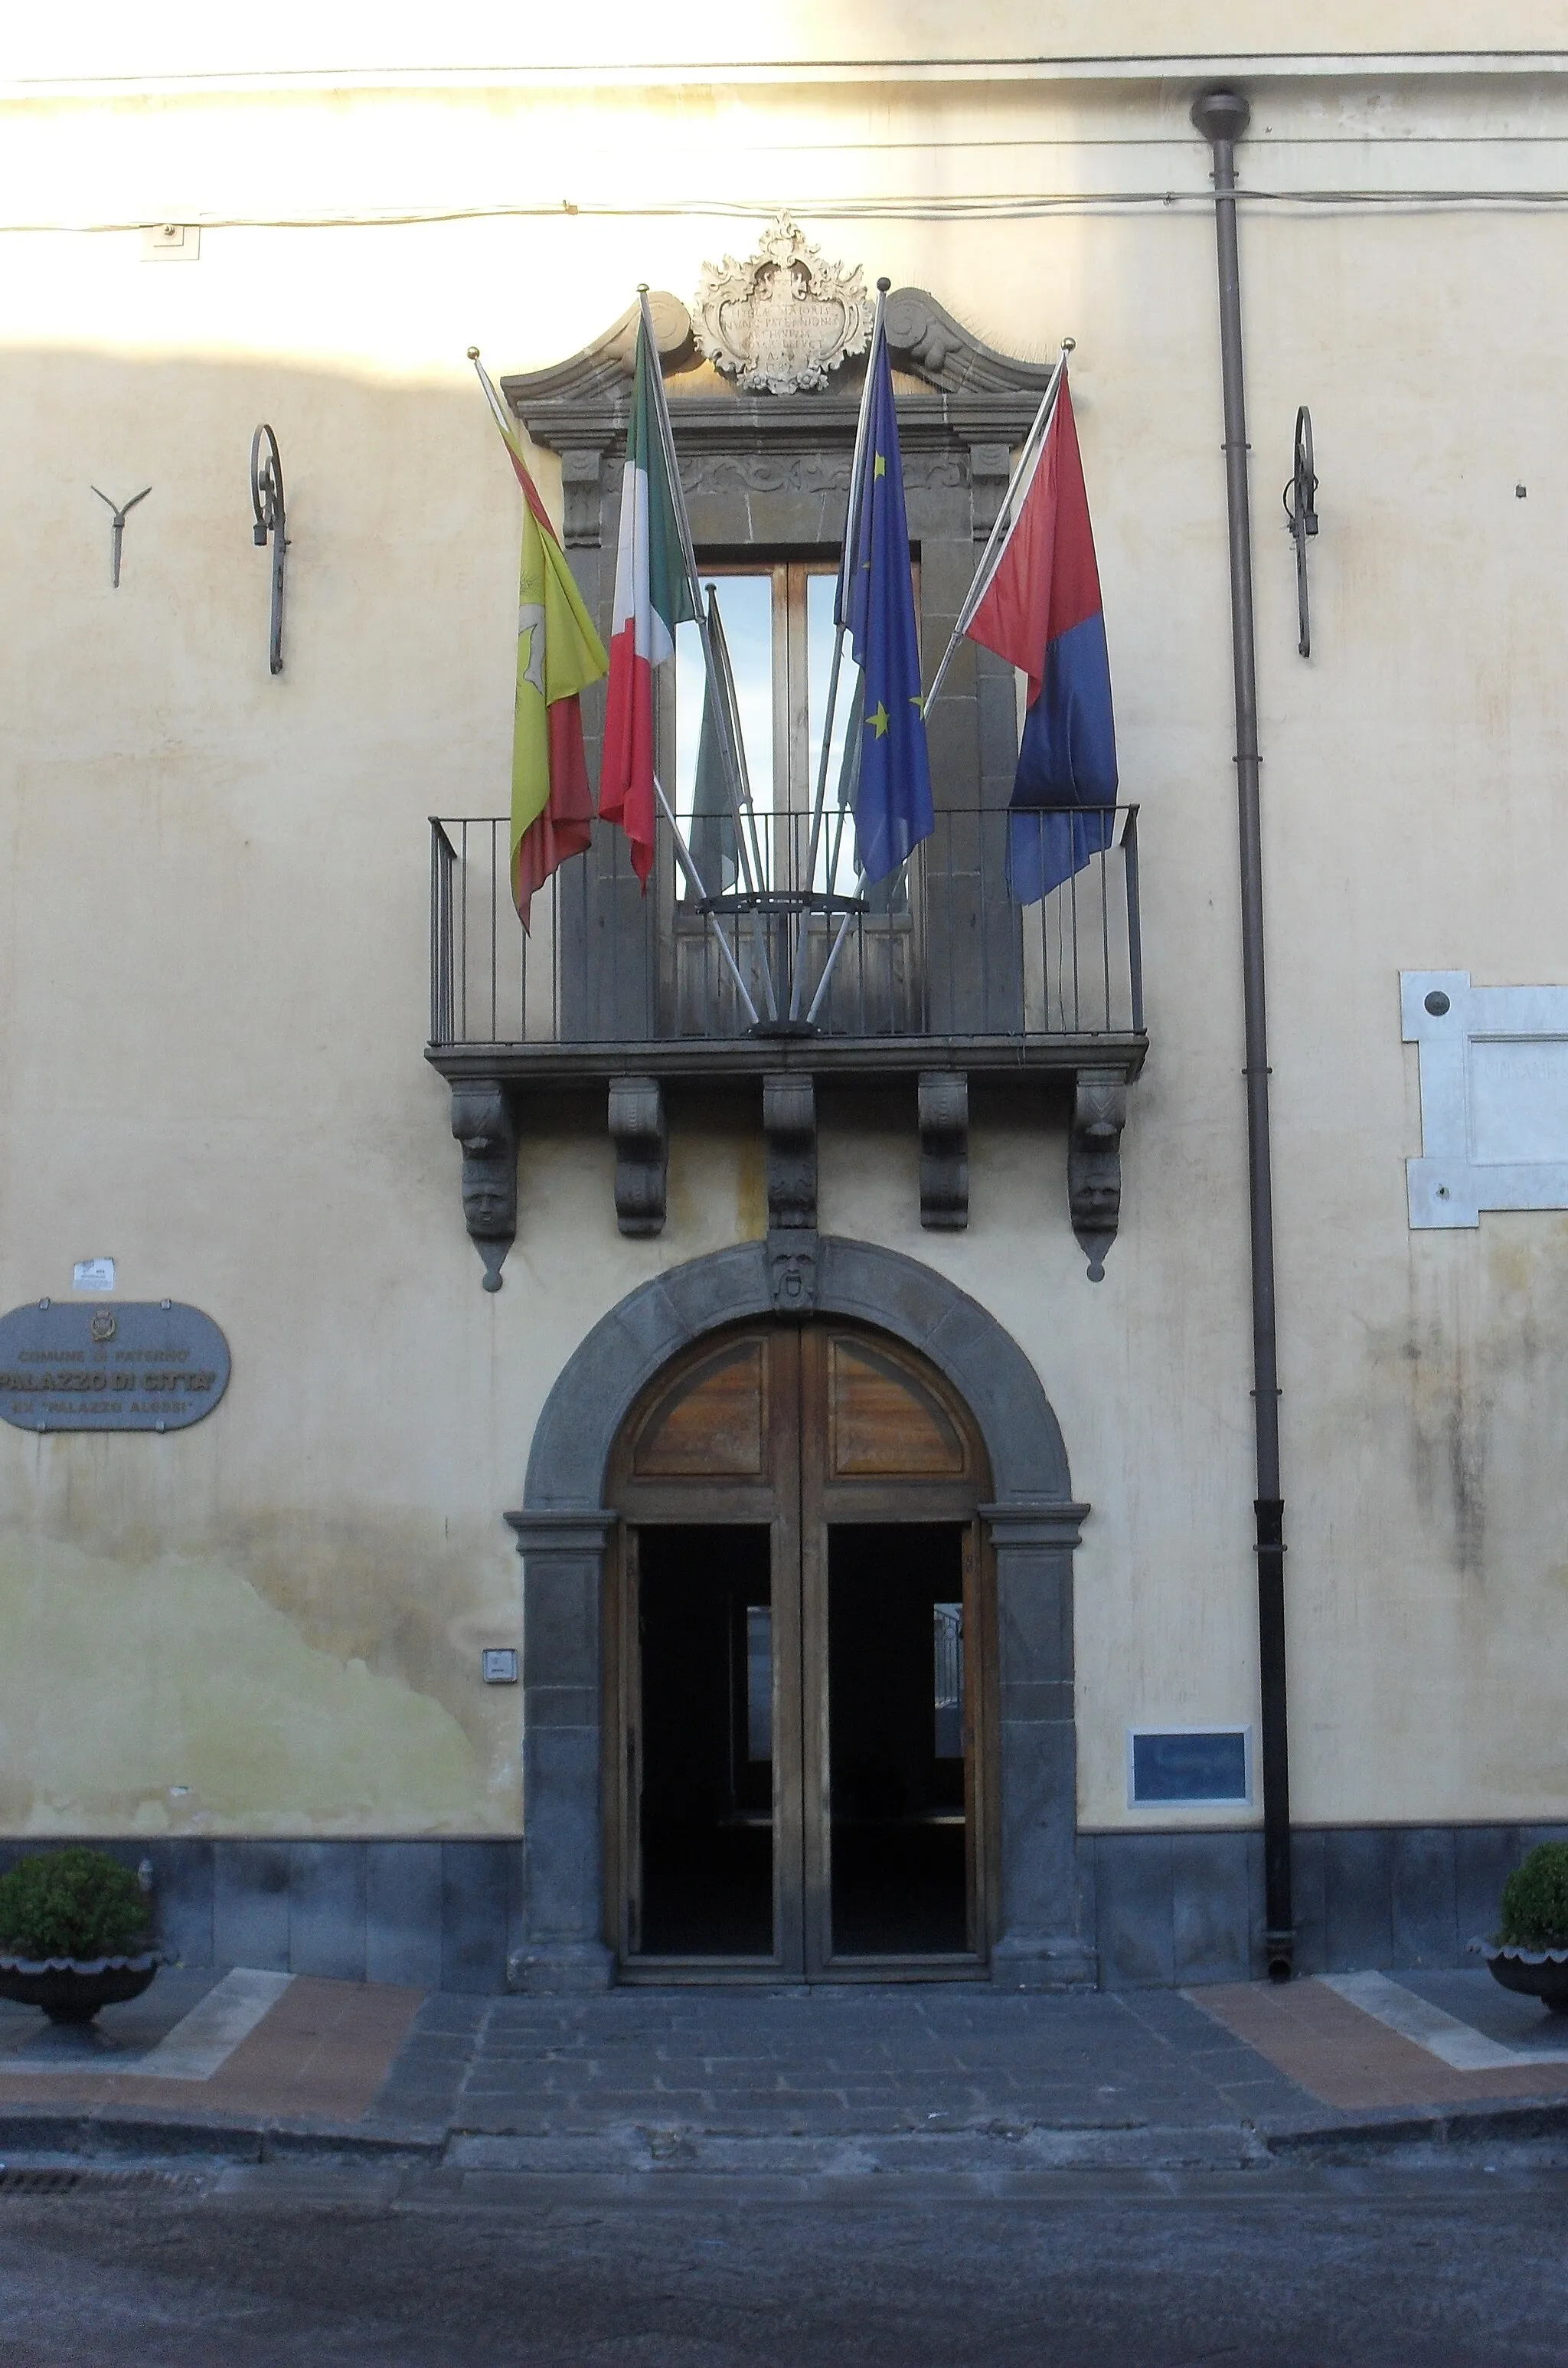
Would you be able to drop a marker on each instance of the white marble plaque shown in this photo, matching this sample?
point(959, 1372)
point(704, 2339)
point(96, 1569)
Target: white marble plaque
point(1518, 1100)
point(1494, 1096)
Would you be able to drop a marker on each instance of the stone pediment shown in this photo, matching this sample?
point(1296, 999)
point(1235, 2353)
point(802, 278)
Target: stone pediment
point(962, 409)
point(602, 371)
point(960, 383)
point(926, 341)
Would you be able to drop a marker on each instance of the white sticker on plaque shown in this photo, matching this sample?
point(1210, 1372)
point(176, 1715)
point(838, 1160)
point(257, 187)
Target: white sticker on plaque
point(1494, 1096)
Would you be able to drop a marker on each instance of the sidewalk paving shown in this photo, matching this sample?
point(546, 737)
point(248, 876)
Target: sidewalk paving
point(1373, 2041)
point(851, 2079)
point(317, 2049)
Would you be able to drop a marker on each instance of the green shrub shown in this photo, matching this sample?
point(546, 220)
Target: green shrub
point(1535, 1901)
point(71, 1903)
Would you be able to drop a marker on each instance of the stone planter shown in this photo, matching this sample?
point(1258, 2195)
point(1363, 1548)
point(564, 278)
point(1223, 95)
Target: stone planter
point(72, 1989)
point(1538, 1973)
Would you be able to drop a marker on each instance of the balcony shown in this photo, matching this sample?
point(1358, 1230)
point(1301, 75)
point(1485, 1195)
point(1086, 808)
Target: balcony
point(945, 966)
point(938, 981)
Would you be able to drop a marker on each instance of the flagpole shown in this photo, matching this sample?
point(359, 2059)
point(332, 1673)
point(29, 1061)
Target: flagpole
point(739, 789)
point(727, 685)
point(827, 969)
point(726, 679)
point(1028, 458)
point(683, 857)
point(745, 812)
point(817, 804)
point(837, 947)
point(838, 846)
point(851, 543)
point(509, 426)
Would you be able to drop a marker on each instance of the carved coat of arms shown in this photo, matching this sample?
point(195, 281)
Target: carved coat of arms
point(779, 322)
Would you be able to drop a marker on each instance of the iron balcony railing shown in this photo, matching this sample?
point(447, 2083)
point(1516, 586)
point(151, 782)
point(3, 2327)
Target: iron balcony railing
point(941, 952)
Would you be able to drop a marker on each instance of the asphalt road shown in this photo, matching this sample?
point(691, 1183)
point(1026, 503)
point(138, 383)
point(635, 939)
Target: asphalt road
point(1275, 2269)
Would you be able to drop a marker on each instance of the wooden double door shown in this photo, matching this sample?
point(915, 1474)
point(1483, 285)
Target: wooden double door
point(798, 1780)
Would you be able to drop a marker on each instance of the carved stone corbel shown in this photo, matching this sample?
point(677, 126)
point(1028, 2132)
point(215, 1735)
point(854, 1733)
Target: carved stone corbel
point(1093, 1163)
point(641, 1153)
point(789, 1125)
point(486, 1122)
point(989, 469)
point(582, 488)
point(944, 1150)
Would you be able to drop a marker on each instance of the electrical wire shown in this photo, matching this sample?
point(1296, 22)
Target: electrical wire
point(980, 206)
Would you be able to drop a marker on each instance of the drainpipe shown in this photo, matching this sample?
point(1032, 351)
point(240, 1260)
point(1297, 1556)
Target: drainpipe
point(1222, 118)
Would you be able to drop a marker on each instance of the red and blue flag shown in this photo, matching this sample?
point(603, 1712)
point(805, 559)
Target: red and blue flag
point(1041, 611)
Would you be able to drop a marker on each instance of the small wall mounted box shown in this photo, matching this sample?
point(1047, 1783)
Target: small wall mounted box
point(500, 1666)
point(172, 243)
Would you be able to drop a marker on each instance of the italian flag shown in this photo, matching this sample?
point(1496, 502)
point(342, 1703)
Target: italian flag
point(651, 597)
point(559, 655)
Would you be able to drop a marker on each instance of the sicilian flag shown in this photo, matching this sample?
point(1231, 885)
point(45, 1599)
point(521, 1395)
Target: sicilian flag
point(559, 655)
point(653, 596)
point(1040, 610)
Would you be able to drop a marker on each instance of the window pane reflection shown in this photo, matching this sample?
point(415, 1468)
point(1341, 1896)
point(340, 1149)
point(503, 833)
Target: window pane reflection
point(844, 745)
point(746, 606)
point(759, 1681)
point(946, 1640)
point(776, 623)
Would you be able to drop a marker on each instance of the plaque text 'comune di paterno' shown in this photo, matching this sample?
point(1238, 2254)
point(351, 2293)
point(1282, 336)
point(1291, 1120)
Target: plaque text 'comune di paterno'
point(144, 1365)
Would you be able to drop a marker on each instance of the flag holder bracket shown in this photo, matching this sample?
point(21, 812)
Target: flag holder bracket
point(271, 525)
point(1300, 498)
point(119, 512)
point(782, 904)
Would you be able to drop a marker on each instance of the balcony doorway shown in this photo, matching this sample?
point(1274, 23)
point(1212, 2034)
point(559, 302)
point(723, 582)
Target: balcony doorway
point(800, 1779)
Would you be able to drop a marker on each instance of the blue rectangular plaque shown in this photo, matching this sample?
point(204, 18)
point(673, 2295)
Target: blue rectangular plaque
point(1191, 1764)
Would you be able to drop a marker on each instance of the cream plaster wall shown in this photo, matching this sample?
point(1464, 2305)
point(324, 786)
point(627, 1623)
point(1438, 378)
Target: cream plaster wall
point(212, 987)
point(336, 39)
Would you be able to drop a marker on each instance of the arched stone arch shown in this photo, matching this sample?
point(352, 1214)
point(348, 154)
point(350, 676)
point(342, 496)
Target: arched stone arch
point(604, 1374)
point(564, 1525)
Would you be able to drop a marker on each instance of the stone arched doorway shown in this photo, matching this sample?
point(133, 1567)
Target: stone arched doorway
point(568, 1533)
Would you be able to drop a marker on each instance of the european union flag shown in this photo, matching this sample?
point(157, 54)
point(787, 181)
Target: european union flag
point(893, 796)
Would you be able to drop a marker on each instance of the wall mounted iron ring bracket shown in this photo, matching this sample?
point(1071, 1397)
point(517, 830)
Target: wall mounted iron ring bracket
point(1302, 520)
point(271, 524)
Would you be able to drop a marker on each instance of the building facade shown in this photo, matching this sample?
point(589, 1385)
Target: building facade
point(855, 1466)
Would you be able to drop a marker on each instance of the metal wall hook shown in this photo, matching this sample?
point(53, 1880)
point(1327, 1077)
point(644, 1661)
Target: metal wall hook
point(271, 521)
point(1300, 498)
point(117, 529)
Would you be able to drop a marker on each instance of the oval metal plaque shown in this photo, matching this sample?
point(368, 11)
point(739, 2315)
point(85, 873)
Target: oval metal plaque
point(139, 1365)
